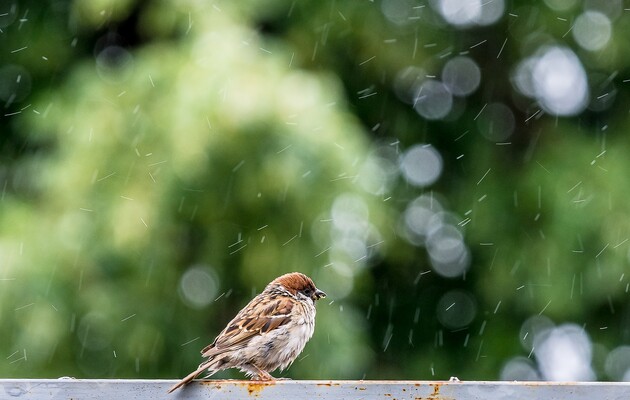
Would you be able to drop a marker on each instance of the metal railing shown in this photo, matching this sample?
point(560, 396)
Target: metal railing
point(79, 389)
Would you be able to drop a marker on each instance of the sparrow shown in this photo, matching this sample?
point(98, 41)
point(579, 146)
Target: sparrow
point(267, 334)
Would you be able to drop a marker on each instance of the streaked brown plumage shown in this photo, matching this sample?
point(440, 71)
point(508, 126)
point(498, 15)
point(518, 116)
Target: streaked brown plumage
point(268, 333)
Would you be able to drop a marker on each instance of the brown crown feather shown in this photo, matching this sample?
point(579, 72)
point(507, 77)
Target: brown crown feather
point(294, 282)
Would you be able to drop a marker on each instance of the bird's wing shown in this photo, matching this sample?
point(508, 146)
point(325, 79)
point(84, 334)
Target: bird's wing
point(261, 315)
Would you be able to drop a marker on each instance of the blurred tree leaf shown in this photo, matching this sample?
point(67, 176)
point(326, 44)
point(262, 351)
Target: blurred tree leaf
point(210, 153)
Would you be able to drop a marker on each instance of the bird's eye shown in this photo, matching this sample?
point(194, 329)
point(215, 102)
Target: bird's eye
point(308, 291)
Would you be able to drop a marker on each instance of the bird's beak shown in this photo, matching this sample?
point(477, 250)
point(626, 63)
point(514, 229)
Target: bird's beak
point(318, 294)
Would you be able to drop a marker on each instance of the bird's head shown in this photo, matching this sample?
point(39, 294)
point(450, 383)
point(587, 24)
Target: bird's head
point(299, 285)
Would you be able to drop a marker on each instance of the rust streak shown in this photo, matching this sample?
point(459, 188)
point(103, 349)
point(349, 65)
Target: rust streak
point(210, 383)
point(254, 388)
point(436, 391)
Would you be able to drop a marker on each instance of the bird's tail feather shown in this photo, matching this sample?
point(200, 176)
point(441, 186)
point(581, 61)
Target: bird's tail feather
point(189, 377)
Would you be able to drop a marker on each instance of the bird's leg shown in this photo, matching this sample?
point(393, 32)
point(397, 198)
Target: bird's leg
point(262, 375)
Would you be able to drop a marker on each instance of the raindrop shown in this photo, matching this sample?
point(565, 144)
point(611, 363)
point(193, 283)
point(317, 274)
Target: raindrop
point(198, 286)
point(421, 165)
point(432, 100)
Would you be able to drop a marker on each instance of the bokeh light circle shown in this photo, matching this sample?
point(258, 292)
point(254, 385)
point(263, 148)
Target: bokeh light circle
point(592, 30)
point(9, 13)
point(448, 254)
point(460, 12)
point(433, 100)
point(466, 13)
point(456, 309)
point(560, 82)
point(114, 64)
point(421, 165)
point(491, 12)
point(406, 82)
point(461, 75)
point(532, 327)
point(398, 11)
point(496, 123)
point(94, 331)
point(377, 175)
point(419, 218)
point(613, 9)
point(617, 364)
point(350, 213)
point(564, 353)
point(198, 286)
point(519, 369)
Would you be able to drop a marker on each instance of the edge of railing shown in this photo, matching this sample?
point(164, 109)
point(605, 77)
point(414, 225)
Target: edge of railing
point(68, 388)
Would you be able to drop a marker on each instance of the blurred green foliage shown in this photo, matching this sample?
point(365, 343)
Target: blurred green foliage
point(167, 159)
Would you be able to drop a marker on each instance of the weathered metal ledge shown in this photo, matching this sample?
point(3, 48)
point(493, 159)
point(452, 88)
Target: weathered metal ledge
point(79, 389)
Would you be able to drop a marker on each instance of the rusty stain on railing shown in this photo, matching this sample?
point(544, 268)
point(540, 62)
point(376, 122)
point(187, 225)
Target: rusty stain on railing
point(49, 389)
point(255, 388)
point(436, 391)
